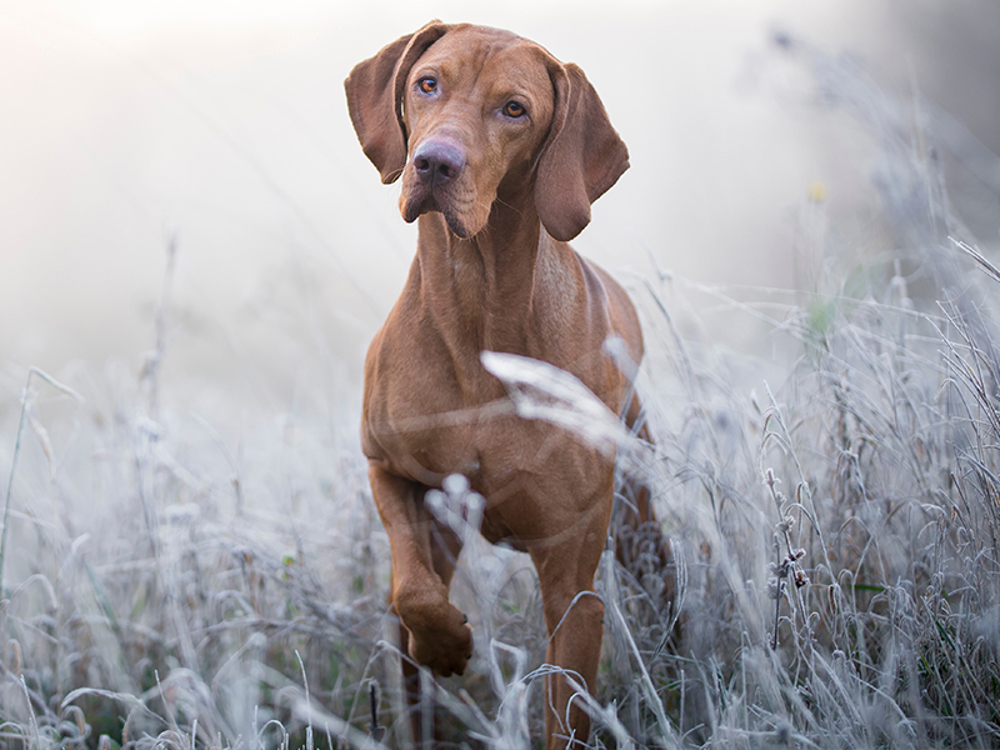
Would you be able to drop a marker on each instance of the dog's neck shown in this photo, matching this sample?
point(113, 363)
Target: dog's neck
point(481, 288)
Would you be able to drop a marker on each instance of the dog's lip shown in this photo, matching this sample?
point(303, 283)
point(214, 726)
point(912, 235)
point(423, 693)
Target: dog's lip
point(425, 201)
point(418, 200)
point(422, 199)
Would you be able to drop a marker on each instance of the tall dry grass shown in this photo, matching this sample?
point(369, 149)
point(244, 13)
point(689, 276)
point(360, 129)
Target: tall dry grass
point(178, 574)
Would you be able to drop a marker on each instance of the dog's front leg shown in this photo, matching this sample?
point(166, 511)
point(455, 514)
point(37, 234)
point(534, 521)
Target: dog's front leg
point(423, 554)
point(424, 722)
point(573, 618)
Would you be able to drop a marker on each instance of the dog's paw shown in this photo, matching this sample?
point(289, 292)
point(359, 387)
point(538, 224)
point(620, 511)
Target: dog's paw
point(445, 648)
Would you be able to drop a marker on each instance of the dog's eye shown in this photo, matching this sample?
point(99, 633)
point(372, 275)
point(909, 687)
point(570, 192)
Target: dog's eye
point(514, 110)
point(428, 85)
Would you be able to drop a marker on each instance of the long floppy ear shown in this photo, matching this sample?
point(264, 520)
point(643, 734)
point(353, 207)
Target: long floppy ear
point(582, 157)
point(374, 98)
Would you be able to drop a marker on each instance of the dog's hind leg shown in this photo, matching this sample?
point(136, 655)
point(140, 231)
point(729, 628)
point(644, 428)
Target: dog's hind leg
point(640, 546)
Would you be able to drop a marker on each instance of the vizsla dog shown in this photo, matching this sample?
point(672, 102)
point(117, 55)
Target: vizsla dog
point(501, 149)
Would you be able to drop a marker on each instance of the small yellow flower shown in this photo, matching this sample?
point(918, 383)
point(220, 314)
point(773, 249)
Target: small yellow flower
point(816, 192)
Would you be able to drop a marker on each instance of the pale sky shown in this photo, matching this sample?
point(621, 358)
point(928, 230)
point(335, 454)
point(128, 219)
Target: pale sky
point(224, 122)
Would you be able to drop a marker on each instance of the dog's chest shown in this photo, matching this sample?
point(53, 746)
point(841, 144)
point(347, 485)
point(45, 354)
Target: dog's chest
point(426, 428)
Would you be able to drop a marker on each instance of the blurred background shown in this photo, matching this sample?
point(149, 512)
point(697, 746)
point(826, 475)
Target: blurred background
point(220, 127)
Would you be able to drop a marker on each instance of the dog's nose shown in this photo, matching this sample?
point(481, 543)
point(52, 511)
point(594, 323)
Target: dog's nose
point(437, 163)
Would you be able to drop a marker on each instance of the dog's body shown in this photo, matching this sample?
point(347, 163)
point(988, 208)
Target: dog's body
point(501, 149)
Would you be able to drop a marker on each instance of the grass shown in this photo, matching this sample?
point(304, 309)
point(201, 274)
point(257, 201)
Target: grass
point(190, 579)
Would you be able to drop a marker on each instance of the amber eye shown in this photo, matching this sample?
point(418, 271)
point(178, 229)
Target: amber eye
point(514, 109)
point(428, 85)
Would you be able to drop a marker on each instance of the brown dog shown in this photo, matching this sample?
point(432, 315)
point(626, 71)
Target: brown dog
point(502, 149)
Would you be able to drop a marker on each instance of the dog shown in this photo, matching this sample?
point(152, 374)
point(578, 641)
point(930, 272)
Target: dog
point(501, 149)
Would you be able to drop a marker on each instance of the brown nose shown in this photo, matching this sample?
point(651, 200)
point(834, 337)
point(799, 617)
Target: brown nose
point(437, 163)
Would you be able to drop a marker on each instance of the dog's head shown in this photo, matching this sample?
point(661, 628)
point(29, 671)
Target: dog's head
point(465, 113)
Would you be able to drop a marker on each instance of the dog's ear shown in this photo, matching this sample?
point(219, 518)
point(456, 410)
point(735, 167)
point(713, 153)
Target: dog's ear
point(582, 157)
point(375, 99)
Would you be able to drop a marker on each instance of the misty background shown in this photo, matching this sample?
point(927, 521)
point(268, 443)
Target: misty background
point(222, 127)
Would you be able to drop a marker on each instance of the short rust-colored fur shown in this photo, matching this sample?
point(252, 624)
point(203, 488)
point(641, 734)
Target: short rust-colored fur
point(501, 149)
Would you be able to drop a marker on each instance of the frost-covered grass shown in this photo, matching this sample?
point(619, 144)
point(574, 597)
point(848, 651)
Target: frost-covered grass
point(182, 572)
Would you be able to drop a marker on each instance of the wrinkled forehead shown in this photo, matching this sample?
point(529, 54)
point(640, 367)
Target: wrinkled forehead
point(492, 61)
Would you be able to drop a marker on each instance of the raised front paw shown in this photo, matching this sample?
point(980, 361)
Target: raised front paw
point(443, 645)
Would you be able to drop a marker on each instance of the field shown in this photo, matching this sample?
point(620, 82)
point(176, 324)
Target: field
point(180, 571)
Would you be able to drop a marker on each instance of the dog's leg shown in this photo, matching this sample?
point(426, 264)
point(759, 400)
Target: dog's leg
point(445, 548)
point(439, 638)
point(573, 618)
point(640, 546)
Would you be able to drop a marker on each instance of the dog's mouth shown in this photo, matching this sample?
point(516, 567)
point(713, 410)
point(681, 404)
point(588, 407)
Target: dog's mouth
point(419, 198)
